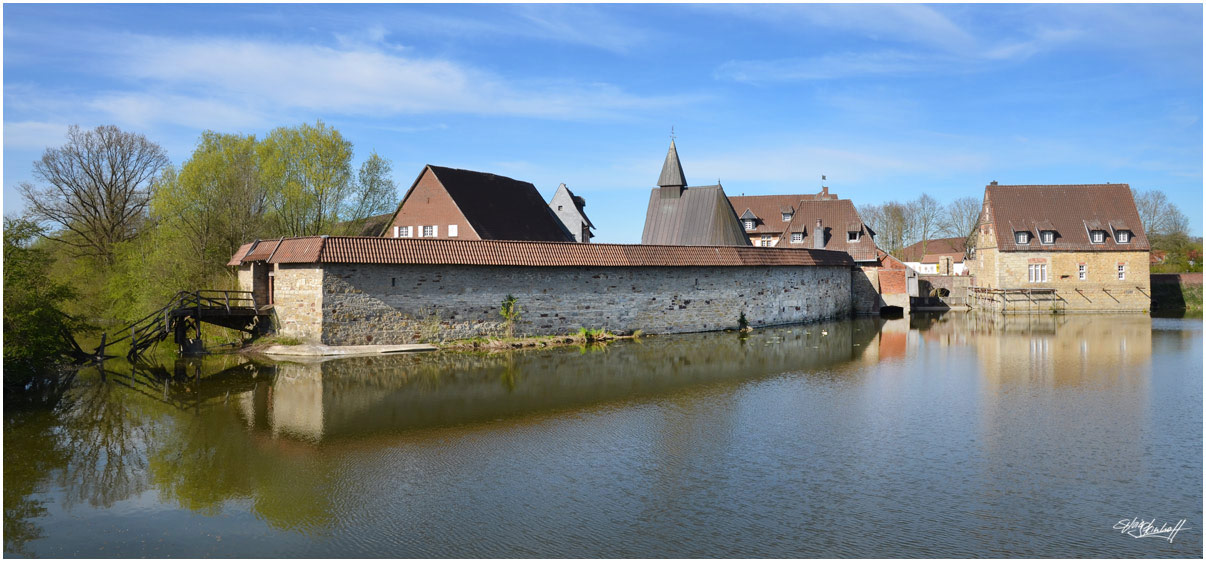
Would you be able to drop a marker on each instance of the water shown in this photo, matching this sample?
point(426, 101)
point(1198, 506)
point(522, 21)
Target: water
point(939, 436)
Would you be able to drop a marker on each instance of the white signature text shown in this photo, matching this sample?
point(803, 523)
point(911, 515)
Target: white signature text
point(1139, 528)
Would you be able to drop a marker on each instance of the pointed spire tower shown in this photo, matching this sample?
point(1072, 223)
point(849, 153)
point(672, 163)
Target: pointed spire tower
point(672, 181)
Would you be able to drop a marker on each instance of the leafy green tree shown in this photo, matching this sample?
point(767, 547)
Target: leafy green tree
point(307, 171)
point(375, 192)
point(36, 332)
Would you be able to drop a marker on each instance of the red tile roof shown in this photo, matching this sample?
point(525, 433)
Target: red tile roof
point(953, 247)
point(524, 253)
point(837, 217)
point(1072, 210)
point(237, 259)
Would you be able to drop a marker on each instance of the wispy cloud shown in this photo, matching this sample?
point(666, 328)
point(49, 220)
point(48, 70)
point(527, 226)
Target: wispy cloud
point(825, 67)
point(909, 39)
point(219, 82)
point(34, 134)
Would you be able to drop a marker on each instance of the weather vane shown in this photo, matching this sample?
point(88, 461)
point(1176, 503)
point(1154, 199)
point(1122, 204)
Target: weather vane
point(671, 132)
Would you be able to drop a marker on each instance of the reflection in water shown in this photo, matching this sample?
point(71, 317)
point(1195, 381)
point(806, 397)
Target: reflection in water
point(948, 434)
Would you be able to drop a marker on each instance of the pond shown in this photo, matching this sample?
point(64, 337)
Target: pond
point(955, 435)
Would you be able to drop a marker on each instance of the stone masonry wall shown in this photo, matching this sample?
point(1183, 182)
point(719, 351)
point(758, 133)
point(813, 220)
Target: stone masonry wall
point(864, 290)
point(298, 301)
point(390, 304)
point(1101, 291)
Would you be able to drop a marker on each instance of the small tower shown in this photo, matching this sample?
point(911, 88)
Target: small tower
point(672, 182)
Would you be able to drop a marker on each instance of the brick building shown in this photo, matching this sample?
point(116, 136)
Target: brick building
point(1063, 247)
point(467, 205)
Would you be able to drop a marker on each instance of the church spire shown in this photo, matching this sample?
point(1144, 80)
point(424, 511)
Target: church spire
point(672, 170)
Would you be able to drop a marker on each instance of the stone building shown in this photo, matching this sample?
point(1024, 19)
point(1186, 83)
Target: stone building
point(689, 216)
point(380, 290)
point(568, 208)
point(1060, 247)
point(467, 205)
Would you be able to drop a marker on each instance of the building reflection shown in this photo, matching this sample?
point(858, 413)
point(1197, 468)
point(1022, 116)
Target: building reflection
point(316, 401)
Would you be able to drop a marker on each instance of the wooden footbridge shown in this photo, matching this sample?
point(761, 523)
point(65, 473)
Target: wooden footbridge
point(236, 310)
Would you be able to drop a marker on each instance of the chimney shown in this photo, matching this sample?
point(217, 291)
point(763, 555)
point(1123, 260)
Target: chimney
point(994, 182)
point(818, 236)
point(824, 192)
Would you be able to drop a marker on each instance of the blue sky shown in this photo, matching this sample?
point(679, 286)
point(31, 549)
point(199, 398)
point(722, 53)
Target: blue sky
point(888, 101)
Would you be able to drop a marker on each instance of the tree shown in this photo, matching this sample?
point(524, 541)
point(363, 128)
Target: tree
point(307, 171)
point(926, 218)
point(96, 187)
point(962, 215)
point(375, 192)
point(1158, 215)
point(36, 331)
point(895, 226)
point(216, 201)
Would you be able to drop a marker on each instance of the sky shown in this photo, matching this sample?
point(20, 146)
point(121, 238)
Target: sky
point(887, 101)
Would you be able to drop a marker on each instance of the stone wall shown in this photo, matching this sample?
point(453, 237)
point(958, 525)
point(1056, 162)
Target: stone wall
point(1101, 291)
point(864, 290)
point(297, 301)
point(387, 304)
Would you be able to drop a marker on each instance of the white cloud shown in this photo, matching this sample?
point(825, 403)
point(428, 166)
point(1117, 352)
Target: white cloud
point(34, 134)
point(225, 77)
point(825, 67)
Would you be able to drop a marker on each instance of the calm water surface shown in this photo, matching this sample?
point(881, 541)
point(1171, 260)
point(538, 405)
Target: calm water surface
point(951, 436)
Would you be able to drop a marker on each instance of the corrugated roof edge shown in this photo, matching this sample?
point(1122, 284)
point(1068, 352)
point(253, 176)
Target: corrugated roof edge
point(417, 251)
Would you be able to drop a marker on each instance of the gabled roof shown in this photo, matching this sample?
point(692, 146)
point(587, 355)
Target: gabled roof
point(577, 201)
point(435, 251)
point(1071, 210)
point(672, 170)
point(699, 216)
point(770, 209)
point(497, 207)
point(936, 247)
point(837, 216)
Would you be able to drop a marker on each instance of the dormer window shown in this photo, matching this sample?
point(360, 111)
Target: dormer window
point(749, 224)
point(852, 236)
point(1021, 237)
point(786, 217)
point(1123, 236)
point(1097, 236)
point(1047, 237)
point(797, 237)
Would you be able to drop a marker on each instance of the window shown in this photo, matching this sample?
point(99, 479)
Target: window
point(452, 231)
point(1123, 236)
point(852, 236)
point(786, 217)
point(428, 231)
point(395, 232)
point(1097, 236)
point(1022, 237)
point(749, 224)
point(558, 207)
point(1038, 272)
point(766, 239)
point(797, 237)
point(1121, 271)
point(1047, 237)
point(402, 231)
point(1082, 272)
